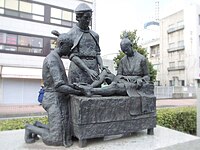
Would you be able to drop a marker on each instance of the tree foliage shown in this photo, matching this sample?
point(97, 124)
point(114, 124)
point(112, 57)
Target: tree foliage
point(132, 35)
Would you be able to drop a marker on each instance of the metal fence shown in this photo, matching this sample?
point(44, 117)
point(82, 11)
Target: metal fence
point(168, 91)
point(163, 91)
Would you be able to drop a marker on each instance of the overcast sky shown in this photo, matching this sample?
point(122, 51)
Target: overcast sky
point(115, 16)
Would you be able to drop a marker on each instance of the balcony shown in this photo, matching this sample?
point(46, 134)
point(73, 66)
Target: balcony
point(174, 29)
point(176, 68)
point(179, 48)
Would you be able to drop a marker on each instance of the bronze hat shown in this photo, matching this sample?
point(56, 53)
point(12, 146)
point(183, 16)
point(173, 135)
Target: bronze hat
point(82, 8)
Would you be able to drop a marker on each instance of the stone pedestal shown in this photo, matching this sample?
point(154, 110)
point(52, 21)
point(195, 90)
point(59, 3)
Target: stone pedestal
point(94, 117)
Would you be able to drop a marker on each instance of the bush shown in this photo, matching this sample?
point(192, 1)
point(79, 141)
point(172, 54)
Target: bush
point(14, 124)
point(182, 119)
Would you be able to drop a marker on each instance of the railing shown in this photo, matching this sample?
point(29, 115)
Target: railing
point(176, 48)
point(166, 92)
point(176, 68)
point(174, 29)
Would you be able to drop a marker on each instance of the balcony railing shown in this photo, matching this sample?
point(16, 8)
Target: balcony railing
point(176, 68)
point(174, 29)
point(179, 48)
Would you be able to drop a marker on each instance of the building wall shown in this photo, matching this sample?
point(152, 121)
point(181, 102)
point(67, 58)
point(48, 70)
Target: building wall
point(179, 44)
point(192, 32)
point(20, 72)
point(170, 56)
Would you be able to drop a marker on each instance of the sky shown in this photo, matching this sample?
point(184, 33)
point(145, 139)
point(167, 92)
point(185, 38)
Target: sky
point(115, 16)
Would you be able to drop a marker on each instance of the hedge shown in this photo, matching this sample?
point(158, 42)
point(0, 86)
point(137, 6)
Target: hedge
point(181, 119)
point(14, 124)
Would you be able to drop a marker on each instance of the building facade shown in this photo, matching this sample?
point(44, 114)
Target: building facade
point(176, 55)
point(25, 40)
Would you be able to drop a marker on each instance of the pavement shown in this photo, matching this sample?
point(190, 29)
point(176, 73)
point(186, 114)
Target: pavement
point(12, 111)
point(163, 139)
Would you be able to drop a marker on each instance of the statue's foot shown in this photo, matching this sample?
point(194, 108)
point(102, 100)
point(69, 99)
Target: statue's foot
point(68, 143)
point(35, 136)
point(38, 124)
point(28, 136)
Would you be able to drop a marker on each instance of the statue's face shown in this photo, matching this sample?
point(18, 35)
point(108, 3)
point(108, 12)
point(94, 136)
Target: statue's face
point(84, 21)
point(127, 49)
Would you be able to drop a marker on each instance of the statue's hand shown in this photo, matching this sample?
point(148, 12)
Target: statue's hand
point(93, 75)
point(139, 83)
point(107, 70)
point(126, 78)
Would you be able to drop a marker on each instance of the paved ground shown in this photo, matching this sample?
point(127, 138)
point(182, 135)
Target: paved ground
point(163, 139)
point(10, 111)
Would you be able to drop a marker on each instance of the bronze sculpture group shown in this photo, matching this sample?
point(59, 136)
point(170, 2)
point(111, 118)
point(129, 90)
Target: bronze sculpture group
point(85, 76)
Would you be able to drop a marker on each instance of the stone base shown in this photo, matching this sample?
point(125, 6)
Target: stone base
point(162, 138)
point(94, 117)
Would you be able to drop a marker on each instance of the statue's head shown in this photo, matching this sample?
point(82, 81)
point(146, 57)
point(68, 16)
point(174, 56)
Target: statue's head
point(83, 15)
point(64, 43)
point(126, 46)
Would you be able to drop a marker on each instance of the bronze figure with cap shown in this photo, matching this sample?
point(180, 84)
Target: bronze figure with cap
point(86, 61)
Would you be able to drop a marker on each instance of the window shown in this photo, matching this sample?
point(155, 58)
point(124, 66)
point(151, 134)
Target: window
point(171, 64)
point(171, 45)
point(38, 9)
point(171, 26)
point(53, 43)
point(181, 63)
point(30, 41)
point(74, 18)
point(89, 0)
point(1, 3)
point(180, 55)
point(171, 37)
point(11, 39)
point(20, 43)
point(22, 9)
point(182, 82)
point(156, 67)
point(24, 40)
point(56, 13)
point(171, 83)
point(180, 43)
point(199, 40)
point(199, 19)
point(25, 7)
point(11, 4)
point(63, 17)
point(2, 38)
point(180, 23)
point(199, 62)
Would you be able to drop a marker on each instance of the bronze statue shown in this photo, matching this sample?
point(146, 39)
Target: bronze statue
point(85, 53)
point(124, 106)
point(56, 99)
point(132, 74)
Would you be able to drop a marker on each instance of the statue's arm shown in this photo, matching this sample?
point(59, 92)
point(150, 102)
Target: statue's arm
point(119, 69)
point(145, 70)
point(100, 62)
point(93, 74)
point(59, 84)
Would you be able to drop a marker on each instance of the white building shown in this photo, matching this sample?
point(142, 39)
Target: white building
point(178, 58)
point(25, 39)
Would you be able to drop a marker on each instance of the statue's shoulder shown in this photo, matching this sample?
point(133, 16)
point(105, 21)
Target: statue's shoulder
point(140, 56)
point(96, 35)
point(123, 59)
point(72, 31)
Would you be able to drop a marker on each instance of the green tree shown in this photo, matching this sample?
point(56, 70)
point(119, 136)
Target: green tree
point(134, 39)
